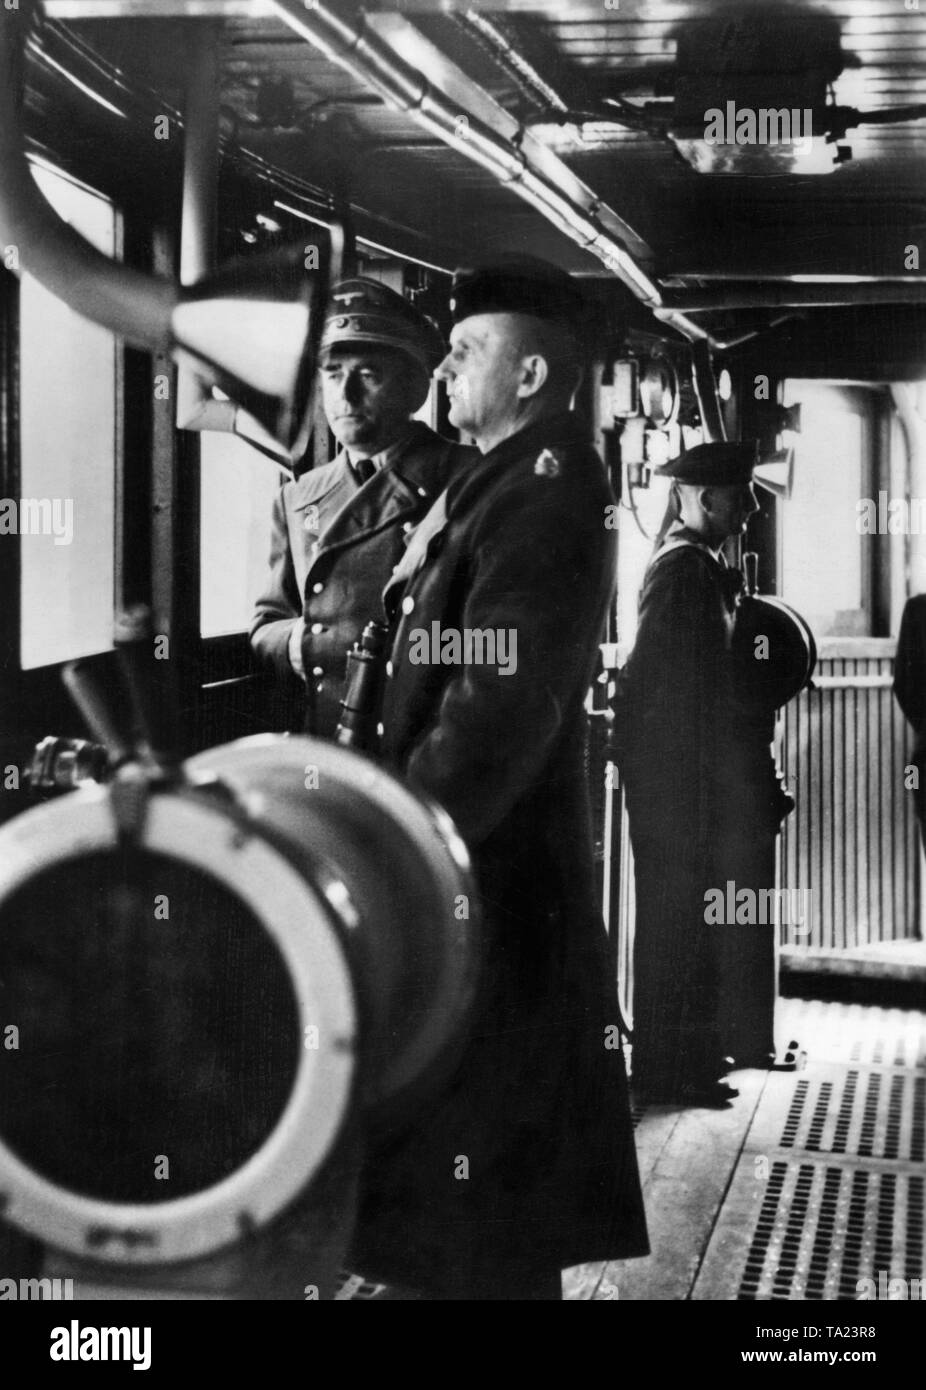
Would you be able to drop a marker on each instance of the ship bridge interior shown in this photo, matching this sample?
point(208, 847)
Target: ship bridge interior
point(740, 188)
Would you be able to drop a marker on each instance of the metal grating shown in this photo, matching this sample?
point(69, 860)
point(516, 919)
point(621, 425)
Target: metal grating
point(822, 1227)
point(829, 1188)
point(874, 1114)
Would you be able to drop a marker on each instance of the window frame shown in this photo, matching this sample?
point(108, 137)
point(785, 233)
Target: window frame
point(34, 702)
point(119, 425)
point(874, 416)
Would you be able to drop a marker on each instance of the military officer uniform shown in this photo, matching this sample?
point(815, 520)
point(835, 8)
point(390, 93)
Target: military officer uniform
point(538, 1109)
point(336, 534)
point(704, 804)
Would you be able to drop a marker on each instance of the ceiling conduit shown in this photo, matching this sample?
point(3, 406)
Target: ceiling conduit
point(359, 51)
point(139, 306)
point(797, 296)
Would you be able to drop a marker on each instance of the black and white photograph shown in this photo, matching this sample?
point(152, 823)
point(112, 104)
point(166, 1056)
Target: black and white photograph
point(463, 669)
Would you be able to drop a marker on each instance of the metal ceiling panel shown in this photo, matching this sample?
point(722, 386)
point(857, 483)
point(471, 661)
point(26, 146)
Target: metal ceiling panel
point(512, 62)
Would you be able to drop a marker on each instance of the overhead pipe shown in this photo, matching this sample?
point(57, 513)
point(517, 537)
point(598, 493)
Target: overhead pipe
point(139, 306)
point(136, 305)
point(729, 341)
point(746, 335)
point(693, 331)
point(796, 296)
point(360, 52)
point(505, 53)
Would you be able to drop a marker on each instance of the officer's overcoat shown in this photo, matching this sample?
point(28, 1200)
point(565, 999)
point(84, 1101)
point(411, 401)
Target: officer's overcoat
point(333, 546)
point(539, 1108)
point(704, 809)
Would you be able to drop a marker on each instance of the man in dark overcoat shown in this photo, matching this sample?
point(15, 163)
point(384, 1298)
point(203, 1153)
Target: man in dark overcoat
point(338, 531)
point(525, 1163)
point(703, 798)
point(910, 691)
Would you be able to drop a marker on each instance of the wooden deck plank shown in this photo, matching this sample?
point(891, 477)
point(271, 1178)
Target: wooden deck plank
point(687, 1160)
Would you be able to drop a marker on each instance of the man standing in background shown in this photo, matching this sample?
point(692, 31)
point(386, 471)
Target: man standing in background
point(703, 798)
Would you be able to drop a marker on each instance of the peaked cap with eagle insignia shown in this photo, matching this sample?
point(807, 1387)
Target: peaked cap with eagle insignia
point(364, 313)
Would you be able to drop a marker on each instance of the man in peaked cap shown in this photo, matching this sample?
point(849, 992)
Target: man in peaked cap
point(703, 796)
point(526, 1164)
point(338, 531)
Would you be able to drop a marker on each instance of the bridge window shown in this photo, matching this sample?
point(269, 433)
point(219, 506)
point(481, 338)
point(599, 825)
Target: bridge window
point(238, 488)
point(69, 423)
point(826, 568)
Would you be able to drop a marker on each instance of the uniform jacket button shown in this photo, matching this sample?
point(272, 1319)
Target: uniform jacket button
point(389, 669)
point(316, 629)
point(408, 604)
point(317, 588)
point(318, 671)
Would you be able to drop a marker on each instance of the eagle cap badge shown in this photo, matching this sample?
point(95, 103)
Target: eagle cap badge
point(548, 464)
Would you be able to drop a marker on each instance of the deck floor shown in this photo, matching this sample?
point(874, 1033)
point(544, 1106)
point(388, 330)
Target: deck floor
point(809, 1183)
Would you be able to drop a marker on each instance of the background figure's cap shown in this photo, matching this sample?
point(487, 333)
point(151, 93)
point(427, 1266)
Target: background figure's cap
point(714, 465)
point(366, 313)
point(517, 285)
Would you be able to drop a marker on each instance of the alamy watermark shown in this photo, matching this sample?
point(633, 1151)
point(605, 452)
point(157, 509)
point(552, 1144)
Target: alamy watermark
point(36, 1290)
point(473, 646)
point(890, 516)
point(759, 907)
point(744, 125)
point(893, 1290)
point(85, 1343)
point(38, 516)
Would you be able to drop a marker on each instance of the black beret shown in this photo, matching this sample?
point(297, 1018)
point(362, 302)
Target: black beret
point(714, 465)
point(367, 313)
point(517, 285)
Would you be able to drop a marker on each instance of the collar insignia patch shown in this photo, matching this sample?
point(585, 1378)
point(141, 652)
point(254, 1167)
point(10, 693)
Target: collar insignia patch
point(548, 464)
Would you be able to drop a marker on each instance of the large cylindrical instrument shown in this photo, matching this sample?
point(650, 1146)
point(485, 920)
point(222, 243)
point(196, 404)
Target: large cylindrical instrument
point(209, 981)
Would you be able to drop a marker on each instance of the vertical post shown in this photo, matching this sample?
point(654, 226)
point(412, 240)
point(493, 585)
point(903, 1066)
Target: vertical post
point(10, 484)
point(200, 156)
point(198, 230)
point(706, 392)
point(175, 508)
